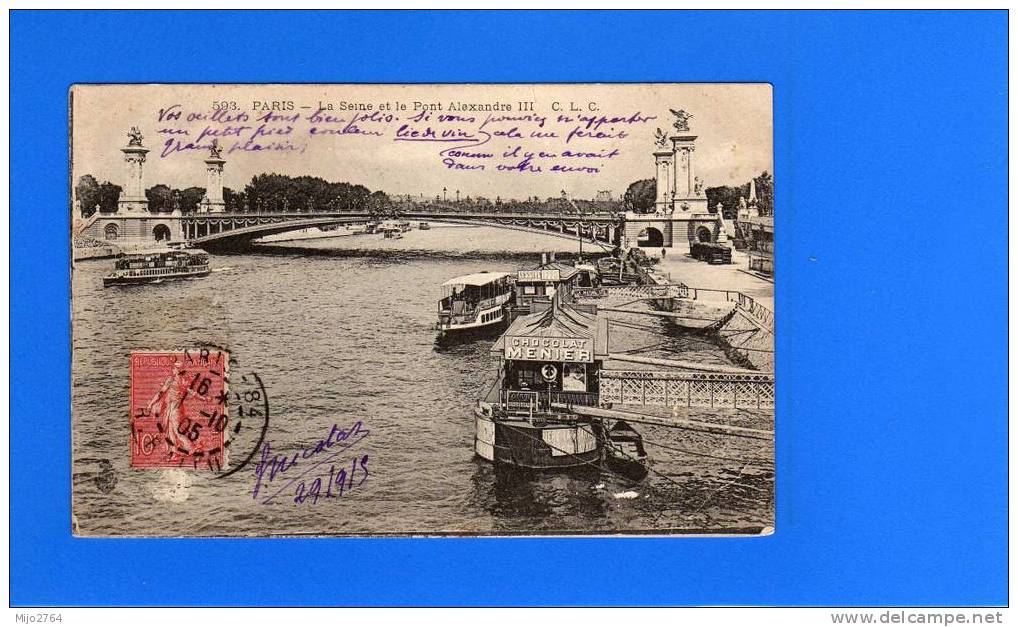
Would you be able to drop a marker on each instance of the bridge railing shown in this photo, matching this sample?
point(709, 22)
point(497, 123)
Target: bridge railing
point(759, 313)
point(753, 309)
point(677, 290)
point(687, 389)
point(521, 212)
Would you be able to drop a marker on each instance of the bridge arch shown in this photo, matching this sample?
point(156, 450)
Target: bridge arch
point(161, 233)
point(237, 231)
point(650, 237)
point(111, 231)
point(703, 234)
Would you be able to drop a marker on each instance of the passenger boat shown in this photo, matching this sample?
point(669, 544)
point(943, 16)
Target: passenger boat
point(475, 302)
point(157, 266)
point(424, 226)
point(392, 229)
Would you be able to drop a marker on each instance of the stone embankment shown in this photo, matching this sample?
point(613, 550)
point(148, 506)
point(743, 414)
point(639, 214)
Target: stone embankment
point(742, 325)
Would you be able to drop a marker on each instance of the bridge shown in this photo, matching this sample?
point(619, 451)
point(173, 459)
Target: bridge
point(220, 231)
point(237, 231)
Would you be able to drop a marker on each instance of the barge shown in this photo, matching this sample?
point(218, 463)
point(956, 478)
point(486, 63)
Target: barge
point(548, 362)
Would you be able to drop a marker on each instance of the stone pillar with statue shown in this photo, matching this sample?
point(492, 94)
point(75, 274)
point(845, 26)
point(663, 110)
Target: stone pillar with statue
point(680, 202)
point(722, 233)
point(688, 196)
point(754, 207)
point(213, 201)
point(664, 160)
point(133, 200)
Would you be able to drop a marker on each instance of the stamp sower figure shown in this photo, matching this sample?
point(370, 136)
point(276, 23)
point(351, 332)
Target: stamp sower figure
point(170, 402)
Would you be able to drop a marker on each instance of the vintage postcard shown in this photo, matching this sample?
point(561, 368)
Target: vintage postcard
point(459, 309)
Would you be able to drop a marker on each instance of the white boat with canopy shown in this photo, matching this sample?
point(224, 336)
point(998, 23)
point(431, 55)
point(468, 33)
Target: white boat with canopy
point(475, 301)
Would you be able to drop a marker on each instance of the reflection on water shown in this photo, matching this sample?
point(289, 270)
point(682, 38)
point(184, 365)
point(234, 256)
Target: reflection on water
point(339, 333)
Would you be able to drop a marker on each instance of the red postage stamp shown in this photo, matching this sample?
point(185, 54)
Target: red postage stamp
point(178, 409)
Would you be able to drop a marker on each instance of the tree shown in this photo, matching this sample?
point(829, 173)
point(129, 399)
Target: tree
point(235, 202)
point(189, 198)
point(160, 198)
point(109, 194)
point(378, 204)
point(87, 194)
point(277, 192)
point(641, 195)
point(765, 194)
point(727, 196)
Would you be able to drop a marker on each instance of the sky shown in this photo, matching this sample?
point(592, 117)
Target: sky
point(397, 150)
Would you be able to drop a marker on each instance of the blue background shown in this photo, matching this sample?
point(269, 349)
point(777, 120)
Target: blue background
point(890, 165)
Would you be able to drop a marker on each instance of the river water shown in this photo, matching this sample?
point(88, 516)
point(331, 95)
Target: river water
point(339, 331)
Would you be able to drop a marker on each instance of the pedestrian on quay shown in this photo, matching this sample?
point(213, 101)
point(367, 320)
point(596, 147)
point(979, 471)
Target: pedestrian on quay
point(663, 252)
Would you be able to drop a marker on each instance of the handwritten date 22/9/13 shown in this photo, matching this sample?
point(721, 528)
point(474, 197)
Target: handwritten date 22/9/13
point(335, 485)
point(315, 471)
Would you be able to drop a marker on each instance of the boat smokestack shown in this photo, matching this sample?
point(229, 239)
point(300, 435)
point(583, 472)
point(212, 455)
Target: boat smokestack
point(551, 256)
point(544, 259)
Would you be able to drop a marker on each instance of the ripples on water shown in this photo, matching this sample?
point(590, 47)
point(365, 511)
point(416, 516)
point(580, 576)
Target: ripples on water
point(339, 333)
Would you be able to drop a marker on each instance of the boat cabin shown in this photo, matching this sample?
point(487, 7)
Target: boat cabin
point(542, 284)
point(161, 259)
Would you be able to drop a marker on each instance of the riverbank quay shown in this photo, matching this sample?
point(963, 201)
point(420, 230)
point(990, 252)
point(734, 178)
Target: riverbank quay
point(738, 306)
point(679, 267)
point(92, 252)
